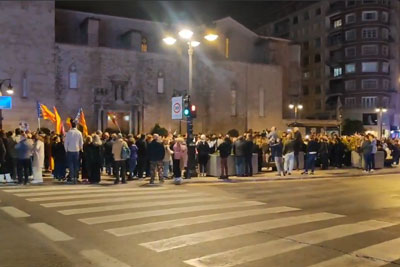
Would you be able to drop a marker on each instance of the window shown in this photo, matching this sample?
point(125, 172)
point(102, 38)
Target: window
point(350, 102)
point(385, 34)
point(369, 33)
point(318, 89)
point(368, 101)
point(385, 16)
point(385, 84)
point(24, 91)
point(295, 20)
point(306, 16)
point(226, 47)
point(261, 102)
point(385, 50)
point(337, 72)
point(369, 15)
point(143, 46)
point(385, 67)
point(350, 35)
point(233, 102)
point(369, 50)
point(305, 45)
point(306, 75)
point(160, 83)
point(305, 90)
point(317, 58)
point(350, 68)
point(337, 23)
point(351, 3)
point(306, 61)
point(385, 102)
point(369, 67)
point(370, 1)
point(317, 42)
point(318, 11)
point(350, 51)
point(73, 77)
point(350, 85)
point(350, 18)
point(369, 84)
point(318, 104)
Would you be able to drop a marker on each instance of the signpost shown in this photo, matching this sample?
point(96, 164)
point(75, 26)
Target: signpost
point(177, 110)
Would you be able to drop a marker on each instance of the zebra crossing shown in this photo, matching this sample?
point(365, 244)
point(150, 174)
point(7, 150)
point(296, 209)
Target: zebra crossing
point(115, 211)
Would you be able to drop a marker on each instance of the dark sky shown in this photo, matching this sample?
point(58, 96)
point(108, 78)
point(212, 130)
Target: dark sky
point(250, 13)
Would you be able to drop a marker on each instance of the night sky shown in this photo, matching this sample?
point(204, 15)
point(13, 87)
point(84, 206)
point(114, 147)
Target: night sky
point(250, 13)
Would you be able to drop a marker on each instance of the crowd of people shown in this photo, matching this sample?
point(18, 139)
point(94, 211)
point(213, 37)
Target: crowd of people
point(24, 155)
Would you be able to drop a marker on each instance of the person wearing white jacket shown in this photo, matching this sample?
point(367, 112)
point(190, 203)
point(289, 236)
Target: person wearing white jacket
point(38, 160)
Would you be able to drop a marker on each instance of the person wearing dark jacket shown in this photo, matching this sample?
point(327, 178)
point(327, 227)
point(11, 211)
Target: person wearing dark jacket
point(24, 151)
point(239, 148)
point(11, 155)
point(324, 153)
point(248, 155)
point(108, 156)
point(59, 155)
point(93, 159)
point(298, 145)
point(311, 156)
point(203, 151)
point(276, 152)
point(141, 160)
point(366, 148)
point(155, 154)
point(225, 150)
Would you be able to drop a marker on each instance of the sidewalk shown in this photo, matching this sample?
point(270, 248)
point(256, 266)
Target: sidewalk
point(260, 177)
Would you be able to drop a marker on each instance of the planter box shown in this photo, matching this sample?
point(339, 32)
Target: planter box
point(357, 160)
point(214, 165)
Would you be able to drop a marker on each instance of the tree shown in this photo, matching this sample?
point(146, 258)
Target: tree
point(157, 129)
point(350, 127)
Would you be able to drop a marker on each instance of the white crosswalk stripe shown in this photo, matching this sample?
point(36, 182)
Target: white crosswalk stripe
point(237, 230)
point(169, 211)
point(351, 261)
point(149, 227)
point(50, 232)
point(387, 251)
point(268, 249)
point(14, 212)
point(100, 259)
point(141, 205)
point(119, 199)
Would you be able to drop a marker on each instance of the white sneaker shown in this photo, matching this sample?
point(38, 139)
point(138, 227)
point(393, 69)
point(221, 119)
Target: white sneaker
point(178, 180)
point(372, 170)
point(364, 171)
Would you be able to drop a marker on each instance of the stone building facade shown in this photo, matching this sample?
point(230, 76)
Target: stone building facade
point(108, 64)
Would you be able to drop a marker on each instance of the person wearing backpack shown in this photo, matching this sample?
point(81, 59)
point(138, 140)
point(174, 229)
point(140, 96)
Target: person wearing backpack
point(121, 153)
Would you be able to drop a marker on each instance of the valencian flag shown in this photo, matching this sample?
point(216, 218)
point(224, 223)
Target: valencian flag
point(59, 123)
point(80, 118)
point(44, 113)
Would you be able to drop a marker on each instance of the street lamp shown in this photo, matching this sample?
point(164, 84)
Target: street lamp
point(187, 35)
point(296, 107)
point(380, 112)
point(10, 91)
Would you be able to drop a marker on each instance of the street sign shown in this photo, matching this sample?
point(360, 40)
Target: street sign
point(5, 102)
point(177, 108)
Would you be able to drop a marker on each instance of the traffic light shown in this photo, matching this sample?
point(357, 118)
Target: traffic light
point(193, 111)
point(186, 112)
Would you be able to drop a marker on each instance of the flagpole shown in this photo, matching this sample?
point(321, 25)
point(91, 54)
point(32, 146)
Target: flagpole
point(38, 123)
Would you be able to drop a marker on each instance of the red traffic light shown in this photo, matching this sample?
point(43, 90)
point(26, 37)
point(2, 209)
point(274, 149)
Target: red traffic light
point(193, 108)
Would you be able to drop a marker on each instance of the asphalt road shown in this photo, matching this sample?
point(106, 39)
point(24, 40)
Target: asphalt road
point(320, 222)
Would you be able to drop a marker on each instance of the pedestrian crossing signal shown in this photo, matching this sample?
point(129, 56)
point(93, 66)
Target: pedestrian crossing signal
point(186, 112)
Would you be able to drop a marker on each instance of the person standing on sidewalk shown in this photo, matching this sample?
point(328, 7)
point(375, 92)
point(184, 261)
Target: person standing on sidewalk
point(156, 153)
point(24, 153)
point(239, 152)
point(298, 144)
point(203, 151)
point(248, 155)
point(73, 145)
point(38, 160)
point(276, 152)
point(288, 152)
point(167, 158)
point(366, 148)
point(324, 153)
point(311, 156)
point(374, 150)
point(121, 153)
point(225, 150)
point(141, 160)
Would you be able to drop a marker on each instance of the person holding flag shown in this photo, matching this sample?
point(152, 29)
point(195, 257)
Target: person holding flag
point(44, 112)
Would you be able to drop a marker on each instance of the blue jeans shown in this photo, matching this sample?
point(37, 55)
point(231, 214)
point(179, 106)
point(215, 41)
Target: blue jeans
point(239, 164)
point(73, 165)
point(368, 161)
point(310, 164)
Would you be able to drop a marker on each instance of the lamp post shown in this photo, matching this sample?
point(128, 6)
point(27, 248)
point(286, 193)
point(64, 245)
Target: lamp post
point(380, 111)
point(187, 35)
point(10, 91)
point(296, 107)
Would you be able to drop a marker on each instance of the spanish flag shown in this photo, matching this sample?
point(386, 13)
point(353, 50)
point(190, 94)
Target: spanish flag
point(45, 113)
point(80, 118)
point(59, 123)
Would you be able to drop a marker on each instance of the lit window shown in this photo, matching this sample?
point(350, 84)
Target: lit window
point(143, 47)
point(73, 77)
point(350, 18)
point(350, 85)
point(350, 102)
point(369, 84)
point(385, 67)
point(306, 75)
point(369, 67)
point(385, 34)
point(385, 16)
point(337, 72)
point(226, 47)
point(350, 68)
point(369, 15)
point(337, 23)
point(350, 35)
point(369, 33)
point(350, 52)
point(369, 50)
point(368, 101)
